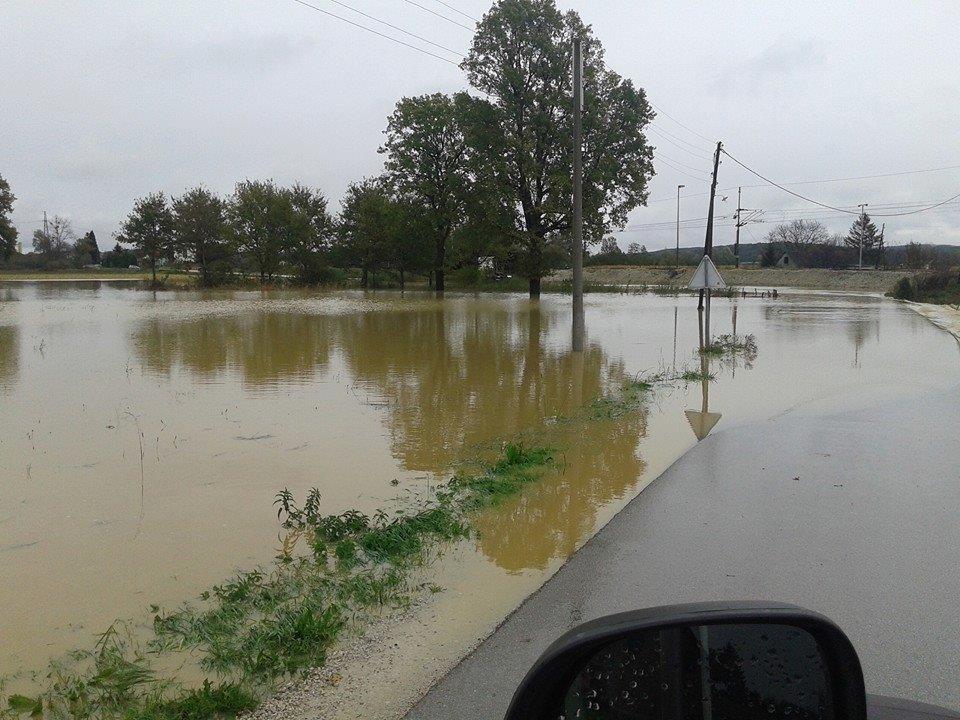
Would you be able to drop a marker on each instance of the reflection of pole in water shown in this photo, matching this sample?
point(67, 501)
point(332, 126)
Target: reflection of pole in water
point(703, 421)
point(579, 329)
point(675, 312)
point(700, 325)
point(706, 330)
point(576, 381)
point(704, 383)
point(734, 303)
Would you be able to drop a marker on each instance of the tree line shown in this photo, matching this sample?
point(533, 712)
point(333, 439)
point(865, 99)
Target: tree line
point(480, 175)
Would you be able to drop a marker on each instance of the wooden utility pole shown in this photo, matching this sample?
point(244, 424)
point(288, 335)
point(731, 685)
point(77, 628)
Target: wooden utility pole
point(708, 241)
point(577, 225)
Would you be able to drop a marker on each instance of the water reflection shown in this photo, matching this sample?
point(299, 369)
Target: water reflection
point(455, 380)
point(447, 379)
point(702, 421)
point(9, 355)
point(600, 463)
point(262, 349)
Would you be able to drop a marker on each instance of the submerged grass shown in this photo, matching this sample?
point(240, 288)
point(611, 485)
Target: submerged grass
point(331, 574)
point(332, 571)
point(727, 345)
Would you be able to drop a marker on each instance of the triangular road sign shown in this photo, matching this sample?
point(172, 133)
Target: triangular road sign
point(702, 422)
point(706, 276)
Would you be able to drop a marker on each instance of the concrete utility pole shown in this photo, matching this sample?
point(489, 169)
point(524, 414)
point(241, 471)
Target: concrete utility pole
point(736, 242)
point(708, 241)
point(577, 186)
point(679, 187)
point(863, 228)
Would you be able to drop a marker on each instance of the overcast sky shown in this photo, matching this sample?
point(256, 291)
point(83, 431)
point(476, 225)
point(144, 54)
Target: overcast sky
point(106, 100)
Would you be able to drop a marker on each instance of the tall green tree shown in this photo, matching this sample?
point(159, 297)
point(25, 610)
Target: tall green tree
point(426, 160)
point(8, 233)
point(520, 137)
point(200, 231)
point(148, 229)
point(309, 229)
point(86, 251)
point(408, 241)
point(366, 226)
point(863, 234)
point(258, 213)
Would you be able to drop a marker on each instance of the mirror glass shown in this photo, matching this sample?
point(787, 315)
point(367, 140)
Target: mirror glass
point(704, 672)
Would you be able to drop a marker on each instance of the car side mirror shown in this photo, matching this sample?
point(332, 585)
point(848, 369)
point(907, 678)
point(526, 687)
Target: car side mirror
point(705, 661)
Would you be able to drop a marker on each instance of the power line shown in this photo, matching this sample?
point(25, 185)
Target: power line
point(458, 11)
point(677, 162)
point(444, 17)
point(833, 207)
point(678, 142)
point(868, 177)
point(375, 32)
point(399, 29)
point(688, 129)
point(676, 168)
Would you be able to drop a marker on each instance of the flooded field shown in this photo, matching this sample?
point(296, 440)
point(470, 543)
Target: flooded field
point(144, 436)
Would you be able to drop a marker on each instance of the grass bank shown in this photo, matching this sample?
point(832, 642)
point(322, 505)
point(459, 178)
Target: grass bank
point(814, 279)
point(939, 287)
point(332, 574)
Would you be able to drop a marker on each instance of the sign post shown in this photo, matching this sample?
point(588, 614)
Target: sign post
point(707, 277)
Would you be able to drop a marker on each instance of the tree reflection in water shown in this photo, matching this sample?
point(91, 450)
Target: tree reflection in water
point(9, 355)
point(451, 377)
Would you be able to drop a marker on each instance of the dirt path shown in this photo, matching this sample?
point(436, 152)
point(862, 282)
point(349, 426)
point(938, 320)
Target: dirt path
point(868, 280)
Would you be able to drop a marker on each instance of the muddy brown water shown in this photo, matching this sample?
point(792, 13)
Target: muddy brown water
point(144, 435)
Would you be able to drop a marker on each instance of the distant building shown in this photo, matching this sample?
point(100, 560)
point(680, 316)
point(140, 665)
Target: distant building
point(786, 261)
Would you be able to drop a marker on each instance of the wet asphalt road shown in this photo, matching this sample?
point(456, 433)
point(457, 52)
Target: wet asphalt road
point(854, 513)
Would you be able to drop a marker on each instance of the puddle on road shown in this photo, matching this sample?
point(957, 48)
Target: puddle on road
point(143, 436)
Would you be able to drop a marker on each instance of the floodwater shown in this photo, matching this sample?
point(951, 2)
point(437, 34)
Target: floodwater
point(143, 436)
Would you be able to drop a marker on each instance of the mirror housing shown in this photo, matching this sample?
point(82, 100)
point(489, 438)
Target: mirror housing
point(542, 693)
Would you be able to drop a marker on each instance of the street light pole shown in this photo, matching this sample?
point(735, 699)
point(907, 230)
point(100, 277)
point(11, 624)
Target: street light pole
point(678, 224)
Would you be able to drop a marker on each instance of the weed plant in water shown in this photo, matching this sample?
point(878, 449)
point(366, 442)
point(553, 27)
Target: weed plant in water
point(727, 345)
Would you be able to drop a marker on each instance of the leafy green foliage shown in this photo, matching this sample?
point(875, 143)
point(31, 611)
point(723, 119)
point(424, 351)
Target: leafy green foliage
point(309, 228)
point(200, 232)
point(148, 229)
point(426, 160)
point(258, 215)
point(519, 138)
point(8, 233)
point(939, 286)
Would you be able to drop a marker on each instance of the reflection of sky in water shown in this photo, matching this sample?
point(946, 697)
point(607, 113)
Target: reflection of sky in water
point(239, 394)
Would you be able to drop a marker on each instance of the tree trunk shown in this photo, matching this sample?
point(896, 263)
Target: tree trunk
point(401, 279)
point(534, 287)
point(363, 278)
point(438, 261)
